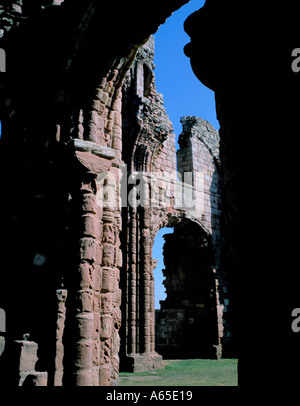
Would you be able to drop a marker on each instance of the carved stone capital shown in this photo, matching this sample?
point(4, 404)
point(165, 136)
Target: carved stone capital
point(90, 156)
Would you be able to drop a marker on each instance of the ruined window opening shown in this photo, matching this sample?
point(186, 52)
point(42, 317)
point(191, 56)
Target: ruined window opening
point(157, 254)
point(186, 323)
point(148, 79)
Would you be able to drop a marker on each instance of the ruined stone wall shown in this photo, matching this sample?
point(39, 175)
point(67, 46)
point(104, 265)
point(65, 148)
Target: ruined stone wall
point(166, 194)
point(67, 269)
point(149, 152)
point(145, 121)
point(69, 264)
point(200, 173)
point(199, 164)
point(55, 71)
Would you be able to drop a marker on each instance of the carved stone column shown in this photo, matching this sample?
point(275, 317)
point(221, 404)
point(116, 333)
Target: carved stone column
point(96, 316)
point(132, 288)
point(89, 248)
point(146, 278)
point(152, 306)
point(139, 350)
point(107, 291)
point(61, 295)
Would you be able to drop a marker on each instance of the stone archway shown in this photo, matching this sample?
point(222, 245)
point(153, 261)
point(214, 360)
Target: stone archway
point(78, 98)
point(162, 191)
point(80, 113)
point(187, 322)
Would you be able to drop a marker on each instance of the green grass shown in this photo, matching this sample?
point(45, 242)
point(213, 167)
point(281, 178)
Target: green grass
point(195, 372)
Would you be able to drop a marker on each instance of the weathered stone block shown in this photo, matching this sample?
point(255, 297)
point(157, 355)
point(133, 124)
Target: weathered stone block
point(85, 271)
point(33, 379)
point(88, 249)
point(59, 355)
point(28, 355)
point(91, 162)
point(89, 203)
point(108, 255)
point(58, 378)
point(60, 324)
point(119, 258)
point(107, 280)
point(97, 278)
point(106, 327)
point(83, 354)
point(104, 375)
point(61, 295)
point(97, 302)
point(117, 274)
point(83, 378)
point(85, 324)
point(85, 300)
point(90, 226)
point(117, 297)
point(95, 376)
point(106, 303)
point(96, 352)
point(96, 326)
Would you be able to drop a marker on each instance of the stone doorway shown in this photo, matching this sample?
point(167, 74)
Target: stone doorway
point(187, 322)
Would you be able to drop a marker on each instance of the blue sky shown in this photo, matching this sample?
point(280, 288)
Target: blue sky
point(184, 95)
